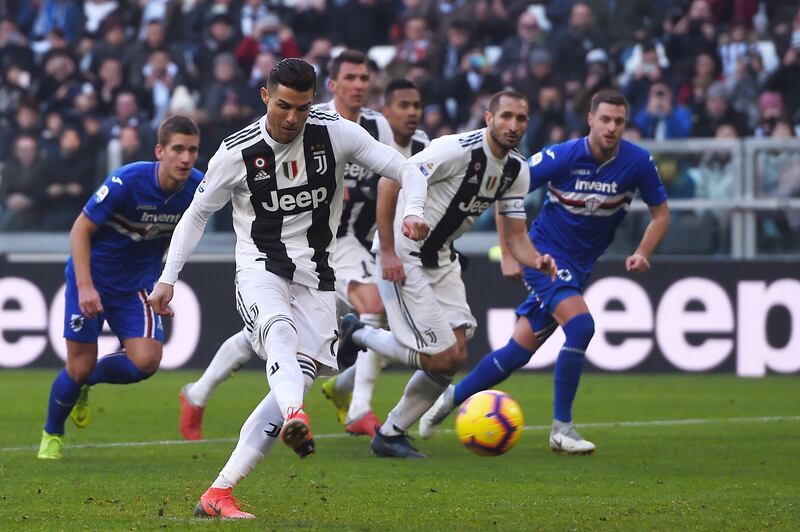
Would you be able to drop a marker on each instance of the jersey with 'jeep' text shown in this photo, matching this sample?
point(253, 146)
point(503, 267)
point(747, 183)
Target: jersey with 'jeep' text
point(464, 179)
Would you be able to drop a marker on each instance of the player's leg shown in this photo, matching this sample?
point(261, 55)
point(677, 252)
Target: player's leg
point(257, 437)
point(140, 330)
point(64, 394)
point(81, 336)
point(442, 306)
point(571, 312)
point(231, 355)
point(361, 420)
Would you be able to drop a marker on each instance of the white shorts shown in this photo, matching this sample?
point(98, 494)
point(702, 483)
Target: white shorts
point(424, 310)
point(313, 312)
point(354, 264)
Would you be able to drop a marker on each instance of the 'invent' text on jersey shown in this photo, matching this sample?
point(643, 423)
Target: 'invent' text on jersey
point(136, 219)
point(586, 201)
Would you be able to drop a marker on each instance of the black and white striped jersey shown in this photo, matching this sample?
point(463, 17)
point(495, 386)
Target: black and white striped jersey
point(358, 212)
point(287, 198)
point(419, 141)
point(464, 179)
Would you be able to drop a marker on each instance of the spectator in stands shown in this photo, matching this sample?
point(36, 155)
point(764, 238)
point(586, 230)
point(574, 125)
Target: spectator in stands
point(746, 84)
point(714, 175)
point(64, 15)
point(517, 49)
point(48, 140)
point(674, 174)
point(317, 56)
point(310, 21)
point(778, 175)
point(269, 35)
point(14, 47)
point(95, 13)
point(227, 86)
point(221, 38)
point(662, 119)
point(155, 38)
point(161, 76)
point(571, 46)
point(61, 79)
point(416, 47)
point(733, 47)
point(66, 180)
point(126, 113)
point(14, 86)
point(598, 77)
point(715, 112)
point(786, 78)
point(360, 24)
point(111, 42)
point(693, 88)
point(108, 82)
point(770, 112)
point(547, 123)
point(457, 42)
point(125, 149)
point(476, 78)
point(687, 36)
point(19, 189)
point(540, 73)
point(641, 70)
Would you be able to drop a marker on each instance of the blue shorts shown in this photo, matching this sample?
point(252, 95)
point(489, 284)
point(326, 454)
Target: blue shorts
point(545, 294)
point(127, 313)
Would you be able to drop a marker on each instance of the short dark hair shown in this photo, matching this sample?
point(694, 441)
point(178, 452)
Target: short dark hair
point(494, 101)
point(397, 85)
point(293, 73)
point(346, 56)
point(176, 125)
point(612, 96)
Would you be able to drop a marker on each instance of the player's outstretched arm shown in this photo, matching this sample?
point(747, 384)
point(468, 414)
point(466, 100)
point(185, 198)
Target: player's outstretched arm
point(639, 261)
point(80, 239)
point(391, 265)
point(522, 249)
point(160, 297)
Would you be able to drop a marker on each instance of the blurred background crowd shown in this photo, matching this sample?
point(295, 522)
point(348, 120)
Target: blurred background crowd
point(85, 83)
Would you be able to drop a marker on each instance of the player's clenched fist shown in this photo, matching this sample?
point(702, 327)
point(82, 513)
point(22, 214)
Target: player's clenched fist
point(547, 265)
point(637, 263)
point(415, 227)
point(160, 297)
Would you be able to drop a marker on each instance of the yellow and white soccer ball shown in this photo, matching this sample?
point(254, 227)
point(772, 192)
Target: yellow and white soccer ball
point(489, 423)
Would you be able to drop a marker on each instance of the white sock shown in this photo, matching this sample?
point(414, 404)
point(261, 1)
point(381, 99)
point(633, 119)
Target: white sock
point(230, 356)
point(256, 438)
point(260, 432)
point(277, 336)
point(421, 392)
point(385, 345)
point(368, 366)
point(345, 379)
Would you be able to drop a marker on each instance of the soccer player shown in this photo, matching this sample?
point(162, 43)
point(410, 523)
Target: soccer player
point(355, 288)
point(284, 175)
point(403, 109)
point(423, 293)
point(590, 183)
point(118, 242)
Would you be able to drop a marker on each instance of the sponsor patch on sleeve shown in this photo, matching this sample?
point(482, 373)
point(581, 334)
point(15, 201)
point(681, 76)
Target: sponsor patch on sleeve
point(536, 158)
point(101, 194)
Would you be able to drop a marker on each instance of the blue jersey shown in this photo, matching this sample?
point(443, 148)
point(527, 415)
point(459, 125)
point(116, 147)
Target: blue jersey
point(136, 219)
point(586, 201)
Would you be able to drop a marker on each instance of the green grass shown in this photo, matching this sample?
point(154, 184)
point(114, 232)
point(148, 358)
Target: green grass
point(714, 475)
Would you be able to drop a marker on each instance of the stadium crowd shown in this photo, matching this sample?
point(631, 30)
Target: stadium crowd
point(85, 83)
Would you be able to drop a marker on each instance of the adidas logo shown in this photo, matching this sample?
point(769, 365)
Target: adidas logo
point(472, 180)
point(261, 176)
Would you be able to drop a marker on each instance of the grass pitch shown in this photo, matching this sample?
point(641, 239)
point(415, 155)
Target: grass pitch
point(674, 452)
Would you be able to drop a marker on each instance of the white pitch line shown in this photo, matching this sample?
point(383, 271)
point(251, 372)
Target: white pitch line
point(600, 425)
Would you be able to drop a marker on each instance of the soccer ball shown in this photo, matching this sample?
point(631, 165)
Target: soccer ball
point(489, 423)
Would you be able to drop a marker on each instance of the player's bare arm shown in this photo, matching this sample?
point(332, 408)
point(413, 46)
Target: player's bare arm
point(80, 238)
point(639, 261)
point(509, 266)
point(522, 249)
point(160, 297)
point(391, 266)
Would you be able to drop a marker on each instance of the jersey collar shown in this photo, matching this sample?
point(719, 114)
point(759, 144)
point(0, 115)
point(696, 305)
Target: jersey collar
point(588, 152)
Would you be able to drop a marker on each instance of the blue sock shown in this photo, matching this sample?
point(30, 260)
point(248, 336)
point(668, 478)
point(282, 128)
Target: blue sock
point(569, 365)
point(492, 369)
point(116, 369)
point(63, 395)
